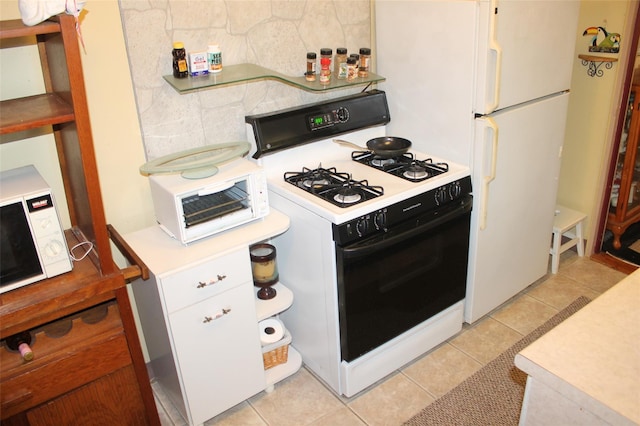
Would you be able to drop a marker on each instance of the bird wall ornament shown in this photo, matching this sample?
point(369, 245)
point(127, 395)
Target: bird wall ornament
point(602, 40)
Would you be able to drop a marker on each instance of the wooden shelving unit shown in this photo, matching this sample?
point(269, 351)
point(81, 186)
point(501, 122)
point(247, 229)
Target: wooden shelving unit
point(624, 209)
point(105, 367)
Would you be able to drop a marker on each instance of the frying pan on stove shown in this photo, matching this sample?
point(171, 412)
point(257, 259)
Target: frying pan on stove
point(385, 147)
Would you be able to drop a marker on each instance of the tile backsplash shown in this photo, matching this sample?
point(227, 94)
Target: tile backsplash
point(272, 33)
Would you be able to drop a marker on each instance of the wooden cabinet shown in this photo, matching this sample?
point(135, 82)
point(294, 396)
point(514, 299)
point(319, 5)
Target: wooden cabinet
point(624, 207)
point(199, 315)
point(93, 373)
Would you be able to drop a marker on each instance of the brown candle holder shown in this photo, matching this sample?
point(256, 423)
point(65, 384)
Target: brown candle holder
point(264, 269)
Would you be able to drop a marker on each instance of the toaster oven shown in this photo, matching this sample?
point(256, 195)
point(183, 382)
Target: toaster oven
point(192, 209)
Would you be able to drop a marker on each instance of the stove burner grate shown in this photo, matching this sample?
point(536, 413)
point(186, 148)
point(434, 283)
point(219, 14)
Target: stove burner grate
point(404, 166)
point(333, 186)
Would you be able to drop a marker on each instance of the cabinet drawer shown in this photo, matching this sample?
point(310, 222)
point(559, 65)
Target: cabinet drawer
point(203, 280)
point(86, 353)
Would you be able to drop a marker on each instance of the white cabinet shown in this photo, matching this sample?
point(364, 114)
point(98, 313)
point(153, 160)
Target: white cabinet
point(217, 347)
point(199, 315)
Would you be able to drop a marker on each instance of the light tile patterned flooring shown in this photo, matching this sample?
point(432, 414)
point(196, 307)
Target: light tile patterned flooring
point(304, 400)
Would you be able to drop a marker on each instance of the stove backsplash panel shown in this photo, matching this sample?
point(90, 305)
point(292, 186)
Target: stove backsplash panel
point(291, 127)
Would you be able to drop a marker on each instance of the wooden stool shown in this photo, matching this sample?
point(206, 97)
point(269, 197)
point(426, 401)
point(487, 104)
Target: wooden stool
point(567, 223)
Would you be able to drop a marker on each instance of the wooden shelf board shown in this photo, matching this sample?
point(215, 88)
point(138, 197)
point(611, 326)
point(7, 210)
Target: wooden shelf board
point(43, 301)
point(594, 58)
point(13, 28)
point(34, 111)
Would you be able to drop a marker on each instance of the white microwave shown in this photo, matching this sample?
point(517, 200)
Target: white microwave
point(192, 209)
point(32, 242)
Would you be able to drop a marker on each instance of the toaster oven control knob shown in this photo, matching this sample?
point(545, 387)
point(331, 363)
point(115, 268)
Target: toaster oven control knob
point(342, 114)
point(380, 219)
point(53, 248)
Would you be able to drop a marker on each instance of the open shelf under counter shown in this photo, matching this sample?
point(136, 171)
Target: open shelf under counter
point(243, 73)
point(282, 371)
point(271, 307)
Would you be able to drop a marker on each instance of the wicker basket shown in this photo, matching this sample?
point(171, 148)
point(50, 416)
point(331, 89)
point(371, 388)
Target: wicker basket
point(276, 353)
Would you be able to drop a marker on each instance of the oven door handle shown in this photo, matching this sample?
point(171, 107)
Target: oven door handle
point(383, 241)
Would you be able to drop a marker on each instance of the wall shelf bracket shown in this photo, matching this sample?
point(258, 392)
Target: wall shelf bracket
point(593, 64)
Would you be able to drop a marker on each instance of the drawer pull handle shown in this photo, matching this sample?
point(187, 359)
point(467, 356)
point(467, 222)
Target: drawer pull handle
point(224, 312)
point(212, 282)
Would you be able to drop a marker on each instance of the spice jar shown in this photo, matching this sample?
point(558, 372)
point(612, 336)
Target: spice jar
point(352, 69)
point(310, 75)
point(214, 57)
point(365, 60)
point(180, 69)
point(340, 63)
point(326, 53)
point(357, 58)
point(325, 70)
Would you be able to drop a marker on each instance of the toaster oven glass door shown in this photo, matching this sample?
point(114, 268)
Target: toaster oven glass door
point(201, 208)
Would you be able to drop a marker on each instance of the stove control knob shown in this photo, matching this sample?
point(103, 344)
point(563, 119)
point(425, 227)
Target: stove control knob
point(380, 219)
point(362, 226)
point(454, 190)
point(441, 195)
point(342, 114)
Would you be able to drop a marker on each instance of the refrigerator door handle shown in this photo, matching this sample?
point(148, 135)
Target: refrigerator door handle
point(487, 179)
point(495, 47)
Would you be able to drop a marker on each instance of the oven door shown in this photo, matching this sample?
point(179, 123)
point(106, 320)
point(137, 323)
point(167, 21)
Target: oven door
point(391, 282)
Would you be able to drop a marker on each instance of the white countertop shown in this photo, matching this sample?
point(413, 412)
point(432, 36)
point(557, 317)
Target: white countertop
point(162, 254)
point(593, 357)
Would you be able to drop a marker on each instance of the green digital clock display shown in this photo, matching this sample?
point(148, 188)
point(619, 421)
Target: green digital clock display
point(317, 122)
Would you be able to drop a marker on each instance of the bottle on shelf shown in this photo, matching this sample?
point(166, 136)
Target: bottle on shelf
point(21, 342)
point(325, 65)
point(214, 57)
point(365, 58)
point(310, 74)
point(180, 69)
point(325, 71)
point(352, 68)
point(340, 63)
point(356, 57)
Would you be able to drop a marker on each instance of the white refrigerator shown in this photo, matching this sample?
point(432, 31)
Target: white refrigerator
point(486, 83)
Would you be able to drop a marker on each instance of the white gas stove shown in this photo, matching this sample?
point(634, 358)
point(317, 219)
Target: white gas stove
point(377, 282)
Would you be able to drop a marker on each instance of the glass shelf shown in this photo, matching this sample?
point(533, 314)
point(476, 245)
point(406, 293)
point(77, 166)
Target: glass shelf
point(232, 74)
